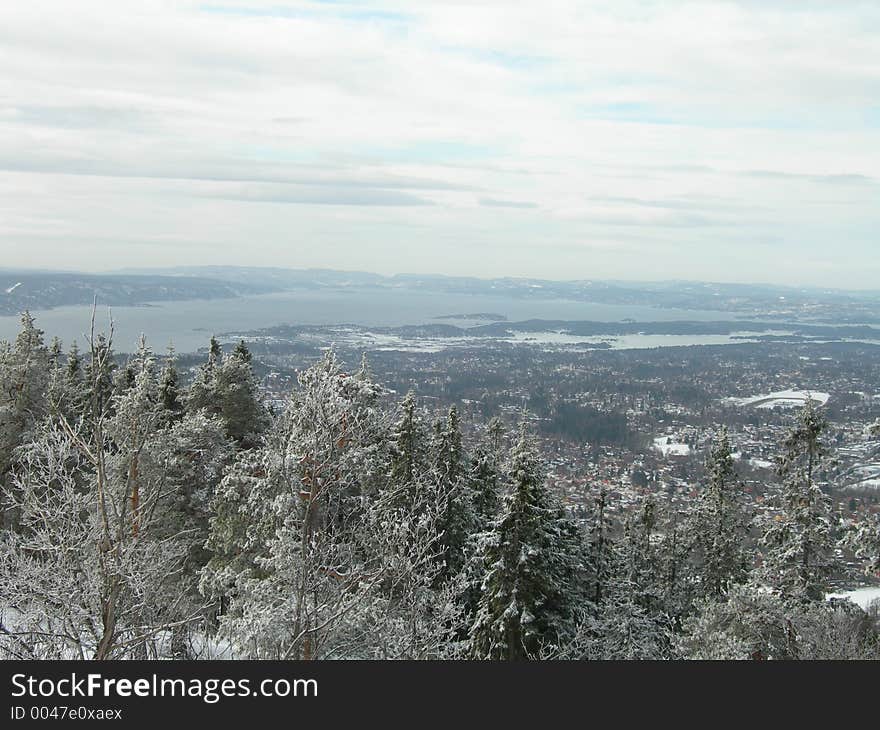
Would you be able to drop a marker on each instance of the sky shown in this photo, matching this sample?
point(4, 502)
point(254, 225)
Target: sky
point(720, 141)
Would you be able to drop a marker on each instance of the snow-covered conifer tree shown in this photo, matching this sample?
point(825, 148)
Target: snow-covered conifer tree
point(718, 525)
point(409, 461)
point(226, 387)
point(238, 398)
point(458, 521)
point(169, 391)
point(533, 562)
point(24, 375)
point(797, 537)
point(202, 392)
point(631, 618)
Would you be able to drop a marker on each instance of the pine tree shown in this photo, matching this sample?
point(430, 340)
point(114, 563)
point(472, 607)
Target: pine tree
point(532, 560)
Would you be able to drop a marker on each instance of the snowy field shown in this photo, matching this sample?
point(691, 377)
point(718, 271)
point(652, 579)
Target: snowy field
point(863, 597)
point(762, 463)
point(757, 463)
point(670, 449)
point(552, 339)
point(865, 476)
point(783, 398)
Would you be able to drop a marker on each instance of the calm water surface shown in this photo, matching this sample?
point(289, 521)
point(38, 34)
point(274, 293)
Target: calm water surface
point(189, 325)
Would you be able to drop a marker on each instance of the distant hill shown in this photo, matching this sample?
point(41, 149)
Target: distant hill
point(21, 290)
point(757, 301)
point(43, 290)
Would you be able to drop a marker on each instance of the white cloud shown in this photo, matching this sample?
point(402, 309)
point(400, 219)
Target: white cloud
point(564, 134)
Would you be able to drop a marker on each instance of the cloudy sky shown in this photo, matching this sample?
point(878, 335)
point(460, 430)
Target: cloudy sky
point(727, 141)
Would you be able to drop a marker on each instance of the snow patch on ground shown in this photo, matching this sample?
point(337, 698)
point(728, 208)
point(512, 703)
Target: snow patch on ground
point(863, 597)
point(761, 463)
point(757, 463)
point(866, 484)
point(670, 449)
point(783, 398)
point(866, 475)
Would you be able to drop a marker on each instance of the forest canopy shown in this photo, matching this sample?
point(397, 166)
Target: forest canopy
point(142, 517)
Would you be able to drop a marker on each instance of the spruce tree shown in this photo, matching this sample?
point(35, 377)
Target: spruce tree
point(797, 538)
point(55, 354)
point(202, 393)
point(24, 380)
point(674, 548)
point(56, 379)
point(601, 547)
point(485, 484)
point(409, 456)
point(74, 364)
point(718, 525)
point(169, 391)
point(238, 399)
point(458, 520)
point(215, 352)
point(134, 421)
point(95, 568)
point(73, 395)
point(532, 560)
point(226, 387)
point(866, 544)
point(639, 559)
point(484, 480)
point(192, 452)
point(242, 352)
point(632, 620)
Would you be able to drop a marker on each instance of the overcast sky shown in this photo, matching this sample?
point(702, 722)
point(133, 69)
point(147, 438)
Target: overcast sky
point(726, 141)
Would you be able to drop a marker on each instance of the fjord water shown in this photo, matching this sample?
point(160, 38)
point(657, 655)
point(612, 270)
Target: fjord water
point(189, 324)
